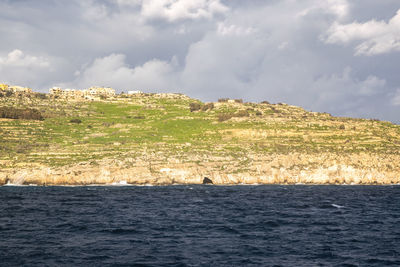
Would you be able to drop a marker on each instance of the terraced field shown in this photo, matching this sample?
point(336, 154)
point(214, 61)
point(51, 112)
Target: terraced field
point(163, 129)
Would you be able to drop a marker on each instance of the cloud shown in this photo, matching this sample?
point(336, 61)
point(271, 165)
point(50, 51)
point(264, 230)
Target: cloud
point(113, 71)
point(129, 2)
point(17, 58)
point(19, 68)
point(276, 67)
point(173, 10)
point(255, 50)
point(396, 99)
point(339, 8)
point(371, 85)
point(344, 93)
point(283, 45)
point(376, 37)
point(232, 29)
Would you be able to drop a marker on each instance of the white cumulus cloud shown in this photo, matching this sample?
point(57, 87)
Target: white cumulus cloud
point(113, 71)
point(374, 37)
point(173, 10)
point(232, 29)
point(19, 68)
point(339, 8)
point(17, 58)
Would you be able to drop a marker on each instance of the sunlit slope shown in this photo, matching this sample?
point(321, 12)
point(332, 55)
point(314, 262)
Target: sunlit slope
point(161, 128)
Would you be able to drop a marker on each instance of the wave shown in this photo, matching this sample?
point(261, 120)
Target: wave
point(19, 185)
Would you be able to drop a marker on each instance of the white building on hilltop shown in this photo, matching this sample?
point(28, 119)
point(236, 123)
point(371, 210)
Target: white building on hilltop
point(92, 93)
point(134, 92)
point(98, 91)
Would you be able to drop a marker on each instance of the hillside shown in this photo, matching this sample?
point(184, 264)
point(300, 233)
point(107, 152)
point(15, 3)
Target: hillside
point(171, 138)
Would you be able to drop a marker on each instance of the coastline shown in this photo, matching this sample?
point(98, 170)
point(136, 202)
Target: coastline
point(167, 139)
point(291, 169)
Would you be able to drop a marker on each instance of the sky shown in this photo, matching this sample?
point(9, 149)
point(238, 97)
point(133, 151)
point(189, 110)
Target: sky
point(335, 56)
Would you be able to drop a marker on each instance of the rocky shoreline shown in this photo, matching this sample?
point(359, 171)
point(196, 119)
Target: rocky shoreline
point(363, 169)
point(164, 139)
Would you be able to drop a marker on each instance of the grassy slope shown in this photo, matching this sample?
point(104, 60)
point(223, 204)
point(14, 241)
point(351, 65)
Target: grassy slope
point(142, 125)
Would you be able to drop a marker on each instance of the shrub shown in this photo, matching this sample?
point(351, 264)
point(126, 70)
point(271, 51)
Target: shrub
point(208, 106)
point(258, 113)
point(224, 116)
point(242, 113)
point(75, 121)
point(25, 114)
point(194, 106)
point(239, 101)
point(23, 148)
point(222, 100)
point(1, 95)
point(108, 124)
point(265, 102)
point(342, 127)
point(139, 117)
point(41, 95)
point(9, 93)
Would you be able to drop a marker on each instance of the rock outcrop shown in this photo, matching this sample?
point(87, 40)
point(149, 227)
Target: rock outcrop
point(207, 180)
point(162, 139)
point(277, 169)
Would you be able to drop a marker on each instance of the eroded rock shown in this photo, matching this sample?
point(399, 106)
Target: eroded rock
point(207, 180)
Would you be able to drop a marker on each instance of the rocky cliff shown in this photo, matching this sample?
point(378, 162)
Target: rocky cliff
point(172, 139)
point(276, 169)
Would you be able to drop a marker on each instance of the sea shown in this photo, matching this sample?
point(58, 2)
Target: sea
point(200, 225)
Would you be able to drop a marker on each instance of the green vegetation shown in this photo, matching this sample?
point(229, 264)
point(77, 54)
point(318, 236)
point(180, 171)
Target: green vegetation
point(15, 113)
point(66, 132)
point(78, 121)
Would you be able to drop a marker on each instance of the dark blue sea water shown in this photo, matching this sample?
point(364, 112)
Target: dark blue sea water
point(200, 226)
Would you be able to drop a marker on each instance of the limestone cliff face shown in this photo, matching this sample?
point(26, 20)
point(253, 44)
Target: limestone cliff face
point(173, 139)
point(274, 169)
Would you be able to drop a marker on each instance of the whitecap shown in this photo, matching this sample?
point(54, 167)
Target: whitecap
point(11, 184)
point(120, 183)
point(337, 206)
point(141, 185)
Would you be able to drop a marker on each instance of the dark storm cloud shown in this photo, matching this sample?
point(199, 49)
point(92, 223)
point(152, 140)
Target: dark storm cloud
point(324, 55)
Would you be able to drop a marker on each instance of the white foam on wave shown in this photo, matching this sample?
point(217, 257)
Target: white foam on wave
point(120, 183)
point(10, 184)
point(105, 185)
point(337, 206)
point(24, 185)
